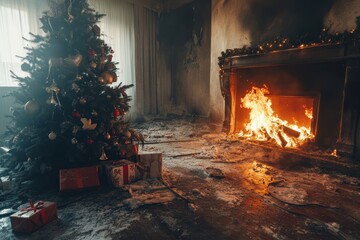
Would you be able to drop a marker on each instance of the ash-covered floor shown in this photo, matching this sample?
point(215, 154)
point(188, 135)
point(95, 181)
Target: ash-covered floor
point(214, 187)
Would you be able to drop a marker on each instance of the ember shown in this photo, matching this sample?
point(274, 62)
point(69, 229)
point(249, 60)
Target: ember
point(265, 125)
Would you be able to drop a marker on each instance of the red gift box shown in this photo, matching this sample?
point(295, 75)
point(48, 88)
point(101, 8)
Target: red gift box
point(120, 173)
point(35, 216)
point(79, 178)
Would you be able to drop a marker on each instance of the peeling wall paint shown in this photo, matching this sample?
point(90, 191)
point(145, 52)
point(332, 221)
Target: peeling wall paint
point(226, 32)
point(184, 35)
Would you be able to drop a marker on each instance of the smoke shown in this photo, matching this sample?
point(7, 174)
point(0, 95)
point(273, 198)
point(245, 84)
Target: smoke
point(266, 19)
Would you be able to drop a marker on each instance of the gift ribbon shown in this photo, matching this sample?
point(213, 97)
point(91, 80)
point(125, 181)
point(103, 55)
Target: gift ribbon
point(33, 207)
point(36, 222)
point(126, 174)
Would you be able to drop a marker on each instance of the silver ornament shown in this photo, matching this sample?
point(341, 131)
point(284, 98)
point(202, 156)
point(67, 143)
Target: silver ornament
point(82, 100)
point(103, 157)
point(75, 87)
point(52, 135)
point(53, 101)
point(75, 129)
point(48, 90)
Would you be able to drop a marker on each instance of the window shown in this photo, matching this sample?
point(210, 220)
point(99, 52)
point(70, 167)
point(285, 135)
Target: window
point(14, 23)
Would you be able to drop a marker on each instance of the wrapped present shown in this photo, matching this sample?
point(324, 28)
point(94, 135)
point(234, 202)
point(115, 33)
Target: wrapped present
point(120, 173)
point(149, 165)
point(30, 219)
point(79, 178)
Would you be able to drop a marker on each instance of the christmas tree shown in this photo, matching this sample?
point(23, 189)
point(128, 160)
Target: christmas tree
point(68, 114)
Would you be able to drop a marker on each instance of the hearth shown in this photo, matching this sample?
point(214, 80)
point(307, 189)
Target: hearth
point(316, 87)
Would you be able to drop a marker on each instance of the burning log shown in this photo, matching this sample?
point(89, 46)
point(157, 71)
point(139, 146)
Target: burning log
point(282, 139)
point(291, 132)
point(265, 123)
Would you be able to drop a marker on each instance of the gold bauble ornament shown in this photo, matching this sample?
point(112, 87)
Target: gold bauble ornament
point(32, 107)
point(114, 76)
point(93, 65)
point(108, 77)
point(108, 136)
point(74, 61)
point(127, 134)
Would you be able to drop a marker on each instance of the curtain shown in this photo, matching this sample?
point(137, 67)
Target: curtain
point(117, 29)
point(130, 29)
point(146, 64)
point(17, 19)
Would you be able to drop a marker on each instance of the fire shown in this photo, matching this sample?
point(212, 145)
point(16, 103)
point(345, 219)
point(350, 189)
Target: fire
point(308, 112)
point(334, 153)
point(265, 125)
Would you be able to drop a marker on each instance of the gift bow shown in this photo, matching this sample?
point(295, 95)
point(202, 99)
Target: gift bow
point(32, 207)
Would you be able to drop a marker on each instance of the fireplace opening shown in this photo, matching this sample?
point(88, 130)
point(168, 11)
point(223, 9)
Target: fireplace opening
point(315, 87)
point(288, 121)
point(307, 96)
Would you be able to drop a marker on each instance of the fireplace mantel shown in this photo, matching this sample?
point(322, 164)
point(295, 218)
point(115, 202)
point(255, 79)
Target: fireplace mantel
point(311, 54)
point(345, 55)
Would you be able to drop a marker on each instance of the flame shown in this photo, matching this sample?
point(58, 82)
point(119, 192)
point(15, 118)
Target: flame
point(308, 112)
point(334, 153)
point(265, 125)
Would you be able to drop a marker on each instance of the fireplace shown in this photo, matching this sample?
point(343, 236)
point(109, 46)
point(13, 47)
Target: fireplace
point(315, 87)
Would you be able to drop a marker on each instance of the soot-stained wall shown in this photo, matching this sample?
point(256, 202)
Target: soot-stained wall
point(237, 23)
point(184, 37)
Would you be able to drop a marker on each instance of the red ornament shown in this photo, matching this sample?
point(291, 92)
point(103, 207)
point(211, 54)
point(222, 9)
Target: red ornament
point(123, 152)
point(75, 114)
point(91, 53)
point(109, 58)
point(116, 112)
point(89, 141)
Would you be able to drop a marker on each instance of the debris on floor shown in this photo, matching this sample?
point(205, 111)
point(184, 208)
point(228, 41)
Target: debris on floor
point(147, 192)
point(229, 189)
point(214, 172)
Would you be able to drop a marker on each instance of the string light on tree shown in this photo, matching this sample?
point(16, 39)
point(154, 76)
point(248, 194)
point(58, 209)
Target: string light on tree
point(68, 94)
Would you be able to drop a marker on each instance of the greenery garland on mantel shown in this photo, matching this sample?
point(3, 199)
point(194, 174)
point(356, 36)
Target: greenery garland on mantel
point(285, 43)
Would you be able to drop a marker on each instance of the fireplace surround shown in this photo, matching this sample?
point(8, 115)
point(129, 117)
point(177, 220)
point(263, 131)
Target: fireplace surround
point(327, 77)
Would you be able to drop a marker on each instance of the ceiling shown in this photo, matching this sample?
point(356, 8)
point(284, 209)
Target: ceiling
point(160, 5)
